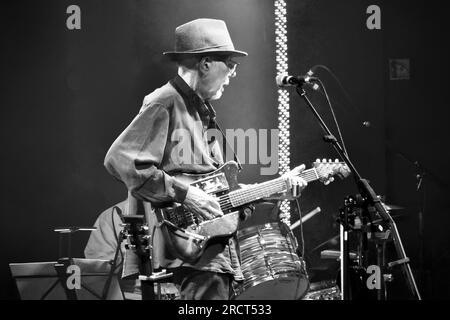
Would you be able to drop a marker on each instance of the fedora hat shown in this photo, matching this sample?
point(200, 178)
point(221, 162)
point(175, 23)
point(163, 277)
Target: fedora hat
point(203, 36)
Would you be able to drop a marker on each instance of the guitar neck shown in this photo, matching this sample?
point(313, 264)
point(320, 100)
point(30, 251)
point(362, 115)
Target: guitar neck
point(266, 189)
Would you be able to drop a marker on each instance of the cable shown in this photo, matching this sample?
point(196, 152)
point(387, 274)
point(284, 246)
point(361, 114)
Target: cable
point(321, 66)
point(118, 242)
point(334, 116)
point(332, 112)
point(114, 264)
point(301, 228)
point(345, 93)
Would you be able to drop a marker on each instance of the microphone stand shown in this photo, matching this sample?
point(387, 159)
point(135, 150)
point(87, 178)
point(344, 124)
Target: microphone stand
point(372, 199)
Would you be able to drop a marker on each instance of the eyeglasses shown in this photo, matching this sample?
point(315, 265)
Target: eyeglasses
point(230, 63)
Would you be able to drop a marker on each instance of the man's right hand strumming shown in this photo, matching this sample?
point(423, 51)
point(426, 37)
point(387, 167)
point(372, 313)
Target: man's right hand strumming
point(204, 206)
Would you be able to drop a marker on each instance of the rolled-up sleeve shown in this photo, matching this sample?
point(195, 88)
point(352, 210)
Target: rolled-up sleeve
point(136, 154)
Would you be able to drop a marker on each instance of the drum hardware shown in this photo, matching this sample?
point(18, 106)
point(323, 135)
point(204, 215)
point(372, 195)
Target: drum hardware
point(323, 290)
point(388, 277)
point(307, 216)
point(336, 255)
point(357, 217)
point(335, 239)
point(360, 222)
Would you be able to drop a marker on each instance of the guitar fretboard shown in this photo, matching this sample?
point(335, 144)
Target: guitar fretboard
point(253, 193)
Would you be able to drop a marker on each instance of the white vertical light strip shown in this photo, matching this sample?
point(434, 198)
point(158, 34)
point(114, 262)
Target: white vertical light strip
point(284, 155)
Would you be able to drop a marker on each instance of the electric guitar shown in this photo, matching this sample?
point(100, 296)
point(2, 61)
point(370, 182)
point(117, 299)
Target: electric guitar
point(188, 237)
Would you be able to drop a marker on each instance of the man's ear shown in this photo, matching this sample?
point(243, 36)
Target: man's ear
point(205, 64)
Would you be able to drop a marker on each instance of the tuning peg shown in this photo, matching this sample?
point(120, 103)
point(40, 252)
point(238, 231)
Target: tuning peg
point(324, 160)
point(336, 160)
point(317, 160)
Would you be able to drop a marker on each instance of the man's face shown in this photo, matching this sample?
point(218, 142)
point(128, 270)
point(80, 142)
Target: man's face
point(217, 77)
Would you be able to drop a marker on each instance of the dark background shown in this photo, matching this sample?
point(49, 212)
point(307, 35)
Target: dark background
point(67, 94)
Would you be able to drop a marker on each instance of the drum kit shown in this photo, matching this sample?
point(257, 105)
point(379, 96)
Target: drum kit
point(274, 268)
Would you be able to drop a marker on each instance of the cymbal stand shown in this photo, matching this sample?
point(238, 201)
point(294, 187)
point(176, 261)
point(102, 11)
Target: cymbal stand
point(380, 239)
point(344, 228)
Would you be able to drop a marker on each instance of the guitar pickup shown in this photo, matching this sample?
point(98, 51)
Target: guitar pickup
point(212, 184)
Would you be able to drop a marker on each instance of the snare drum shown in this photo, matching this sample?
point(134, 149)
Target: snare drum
point(271, 267)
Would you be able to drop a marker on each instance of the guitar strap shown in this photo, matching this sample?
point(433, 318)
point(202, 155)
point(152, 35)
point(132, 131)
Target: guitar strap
point(216, 125)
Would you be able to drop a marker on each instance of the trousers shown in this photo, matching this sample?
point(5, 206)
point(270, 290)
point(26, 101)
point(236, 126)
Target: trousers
point(202, 285)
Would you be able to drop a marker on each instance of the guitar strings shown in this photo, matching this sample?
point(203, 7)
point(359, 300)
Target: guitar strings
point(248, 194)
point(242, 196)
point(245, 195)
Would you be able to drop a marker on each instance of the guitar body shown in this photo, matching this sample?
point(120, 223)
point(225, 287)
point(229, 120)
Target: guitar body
point(188, 237)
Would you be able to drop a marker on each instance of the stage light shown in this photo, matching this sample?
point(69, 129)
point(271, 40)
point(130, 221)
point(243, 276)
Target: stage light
point(283, 100)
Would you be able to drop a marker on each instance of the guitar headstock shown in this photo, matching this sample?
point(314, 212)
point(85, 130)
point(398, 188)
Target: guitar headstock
point(135, 231)
point(327, 169)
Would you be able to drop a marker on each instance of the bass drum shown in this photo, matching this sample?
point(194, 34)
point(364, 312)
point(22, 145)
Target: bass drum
point(271, 267)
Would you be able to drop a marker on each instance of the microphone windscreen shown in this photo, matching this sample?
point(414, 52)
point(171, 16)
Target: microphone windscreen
point(281, 80)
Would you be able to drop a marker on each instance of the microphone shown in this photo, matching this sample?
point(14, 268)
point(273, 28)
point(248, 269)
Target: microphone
point(285, 80)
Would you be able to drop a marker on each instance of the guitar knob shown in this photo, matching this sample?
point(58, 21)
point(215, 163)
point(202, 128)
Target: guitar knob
point(324, 160)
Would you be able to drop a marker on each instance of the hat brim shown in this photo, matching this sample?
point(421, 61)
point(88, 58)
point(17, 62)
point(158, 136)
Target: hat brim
point(235, 53)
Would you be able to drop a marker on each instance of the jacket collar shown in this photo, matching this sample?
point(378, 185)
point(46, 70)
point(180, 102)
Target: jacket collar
point(192, 100)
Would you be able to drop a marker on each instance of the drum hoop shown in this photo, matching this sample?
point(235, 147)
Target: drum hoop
point(259, 228)
point(253, 283)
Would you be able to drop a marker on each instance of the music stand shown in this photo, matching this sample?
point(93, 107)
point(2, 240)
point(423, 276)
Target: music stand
point(42, 281)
